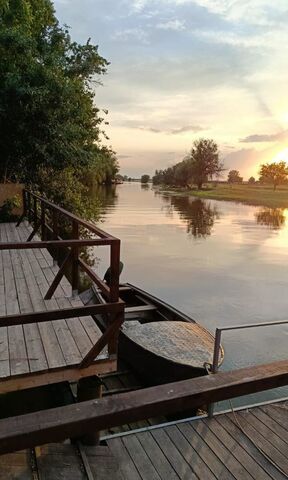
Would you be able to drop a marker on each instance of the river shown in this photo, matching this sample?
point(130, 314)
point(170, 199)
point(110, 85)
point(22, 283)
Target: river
point(223, 263)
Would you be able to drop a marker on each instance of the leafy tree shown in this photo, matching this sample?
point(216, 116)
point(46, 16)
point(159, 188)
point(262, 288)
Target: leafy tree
point(203, 161)
point(234, 177)
point(273, 173)
point(145, 178)
point(198, 167)
point(48, 119)
point(252, 180)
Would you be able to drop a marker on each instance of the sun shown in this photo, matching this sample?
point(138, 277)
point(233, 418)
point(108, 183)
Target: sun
point(281, 156)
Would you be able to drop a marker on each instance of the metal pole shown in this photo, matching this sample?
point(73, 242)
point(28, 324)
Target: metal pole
point(217, 346)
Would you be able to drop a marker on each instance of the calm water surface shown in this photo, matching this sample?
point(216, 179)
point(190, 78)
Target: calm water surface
point(222, 263)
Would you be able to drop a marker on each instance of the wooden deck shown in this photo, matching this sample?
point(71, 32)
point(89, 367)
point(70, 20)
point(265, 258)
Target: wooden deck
point(201, 449)
point(28, 352)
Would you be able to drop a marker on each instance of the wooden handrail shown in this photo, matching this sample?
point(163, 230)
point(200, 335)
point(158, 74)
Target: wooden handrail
point(71, 216)
point(30, 210)
point(49, 315)
point(36, 209)
point(57, 424)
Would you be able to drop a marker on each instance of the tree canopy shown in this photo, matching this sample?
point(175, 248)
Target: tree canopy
point(145, 178)
point(273, 173)
point(234, 177)
point(200, 165)
point(48, 119)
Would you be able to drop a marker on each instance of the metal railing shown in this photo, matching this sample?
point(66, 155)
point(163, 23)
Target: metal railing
point(217, 345)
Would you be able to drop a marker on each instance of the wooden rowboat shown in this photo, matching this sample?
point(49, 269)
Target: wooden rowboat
point(161, 343)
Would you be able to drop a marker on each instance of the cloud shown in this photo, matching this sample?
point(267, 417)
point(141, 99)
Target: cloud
point(129, 34)
point(172, 131)
point(259, 138)
point(176, 25)
point(186, 128)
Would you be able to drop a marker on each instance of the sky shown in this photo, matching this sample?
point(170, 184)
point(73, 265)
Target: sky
point(186, 69)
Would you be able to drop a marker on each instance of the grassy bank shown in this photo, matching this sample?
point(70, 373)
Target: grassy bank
point(250, 194)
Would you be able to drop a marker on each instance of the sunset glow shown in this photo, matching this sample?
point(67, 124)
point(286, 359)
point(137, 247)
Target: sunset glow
point(281, 156)
point(184, 69)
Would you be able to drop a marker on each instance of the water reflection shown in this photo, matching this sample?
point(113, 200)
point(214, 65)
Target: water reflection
point(198, 215)
point(145, 186)
point(273, 218)
point(107, 196)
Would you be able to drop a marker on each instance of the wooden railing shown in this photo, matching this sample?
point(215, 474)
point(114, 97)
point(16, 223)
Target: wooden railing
point(57, 424)
point(46, 218)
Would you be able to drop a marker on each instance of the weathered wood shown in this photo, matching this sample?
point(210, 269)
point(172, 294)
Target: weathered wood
point(141, 308)
point(45, 316)
point(75, 255)
point(53, 243)
point(102, 342)
point(58, 276)
point(240, 437)
point(60, 423)
point(70, 215)
point(90, 272)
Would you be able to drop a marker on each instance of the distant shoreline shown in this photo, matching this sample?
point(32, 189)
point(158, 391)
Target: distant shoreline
point(247, 194)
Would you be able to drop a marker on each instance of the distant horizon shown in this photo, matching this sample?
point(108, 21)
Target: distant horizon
point(184, 69)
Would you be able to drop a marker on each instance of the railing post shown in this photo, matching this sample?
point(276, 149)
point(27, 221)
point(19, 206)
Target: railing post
point(55, 234)
point(43, 230)
point(24, 196)
point(115, 270)
point(75, 265)
point(29, 206)
point(35, 211)
point(214, 370)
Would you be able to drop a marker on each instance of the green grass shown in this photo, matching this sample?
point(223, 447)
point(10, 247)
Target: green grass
point(250, 194)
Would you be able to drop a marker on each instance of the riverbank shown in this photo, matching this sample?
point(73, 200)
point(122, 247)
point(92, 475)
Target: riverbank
point(249, 194)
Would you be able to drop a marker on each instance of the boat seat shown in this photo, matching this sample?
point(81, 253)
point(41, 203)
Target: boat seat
point(140, 308)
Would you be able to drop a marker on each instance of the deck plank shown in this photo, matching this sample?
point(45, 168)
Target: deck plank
point(205, 453)
point(279, 413)
point(191, 456)
point(181, 467)
point(127, 467)
point(25, 276)
point(237, 450)
point(262, 442)
point(156, 456)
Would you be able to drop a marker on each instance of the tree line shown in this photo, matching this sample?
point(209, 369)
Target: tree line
point(203, 164)
point(51, 129)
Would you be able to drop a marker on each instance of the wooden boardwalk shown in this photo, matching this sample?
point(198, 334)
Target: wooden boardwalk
point(32, 350)
point(226, 447)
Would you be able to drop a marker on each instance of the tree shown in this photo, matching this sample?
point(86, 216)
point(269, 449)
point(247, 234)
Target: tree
point(48, 119)
point(234, 177)
point(145, 178)
point(273, 173)
point(252, 180)
point(203, 162)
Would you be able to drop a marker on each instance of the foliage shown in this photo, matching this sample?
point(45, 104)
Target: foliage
point(273, 173)
point(198, 167)
point(6, 210)
point(234, 177)
point(145, 178)
point(204, 161)
point(252, 180)
point(68, 191)
point(48, 119)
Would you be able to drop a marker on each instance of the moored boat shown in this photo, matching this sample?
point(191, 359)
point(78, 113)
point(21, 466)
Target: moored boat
point(161, 343)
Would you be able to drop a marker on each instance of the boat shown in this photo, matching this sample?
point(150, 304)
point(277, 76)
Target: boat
point(161, 343)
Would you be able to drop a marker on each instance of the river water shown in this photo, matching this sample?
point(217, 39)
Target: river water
point(223, 263)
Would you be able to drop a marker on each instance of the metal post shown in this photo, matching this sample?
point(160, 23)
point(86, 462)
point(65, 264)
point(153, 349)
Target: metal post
point(217, 346)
